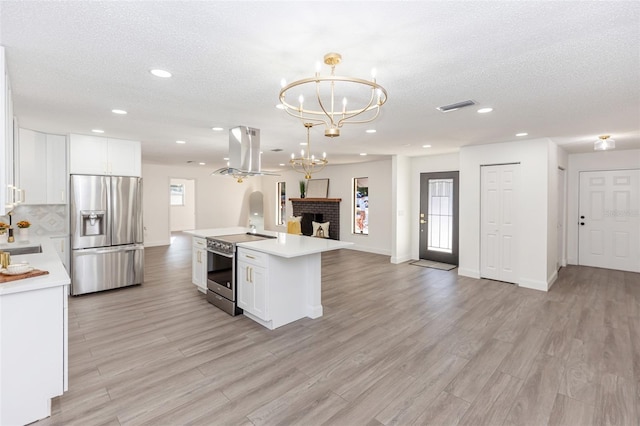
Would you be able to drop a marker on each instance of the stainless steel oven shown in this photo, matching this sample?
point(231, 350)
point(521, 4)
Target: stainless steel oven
point(221, 270)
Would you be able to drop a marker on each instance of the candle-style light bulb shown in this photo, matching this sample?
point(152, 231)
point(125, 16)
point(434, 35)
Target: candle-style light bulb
point(324, 155)
point(292, 156)
point(317, 68)
point(283, 82)
point(344, 105)
point(379, 95)
point(374, 72)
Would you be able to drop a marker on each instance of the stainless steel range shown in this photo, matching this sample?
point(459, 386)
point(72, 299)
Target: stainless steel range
point(221, 269)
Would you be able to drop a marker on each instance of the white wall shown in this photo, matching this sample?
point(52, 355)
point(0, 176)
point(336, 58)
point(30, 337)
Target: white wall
point(340, 178)
point(533, 201)
point(606, 160)
point(427, 164)
point(401, 207)
point(183, 217)
point(220, 201)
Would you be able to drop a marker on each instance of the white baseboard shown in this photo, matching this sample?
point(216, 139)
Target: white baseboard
point(552, 279)
point(369, 250)
point(471, 273)
point(156, 243)
point(401, 259)
point(533, 284)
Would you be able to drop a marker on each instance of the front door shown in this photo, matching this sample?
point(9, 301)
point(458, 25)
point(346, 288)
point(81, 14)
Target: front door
point(439, 217)
point(609, 220)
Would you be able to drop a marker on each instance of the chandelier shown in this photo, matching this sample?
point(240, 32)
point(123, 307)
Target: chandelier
point(603, 143)
point(365, 98)
point(308, 163)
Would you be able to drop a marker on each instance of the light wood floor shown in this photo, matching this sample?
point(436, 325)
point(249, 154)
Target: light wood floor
point(398, 344)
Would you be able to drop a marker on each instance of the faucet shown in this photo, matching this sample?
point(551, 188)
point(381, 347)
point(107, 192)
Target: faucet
point(252, 227)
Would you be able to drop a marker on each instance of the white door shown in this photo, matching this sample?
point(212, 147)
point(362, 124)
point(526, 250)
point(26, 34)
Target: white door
point(609, 220)
point(498, 247)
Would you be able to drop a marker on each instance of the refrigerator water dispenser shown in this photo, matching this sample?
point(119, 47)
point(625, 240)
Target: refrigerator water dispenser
point(93, 223)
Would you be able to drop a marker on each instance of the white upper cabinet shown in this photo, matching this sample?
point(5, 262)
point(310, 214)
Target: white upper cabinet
point(43, 167)
point(124, 158)
point(9, 194)
point(93, 155)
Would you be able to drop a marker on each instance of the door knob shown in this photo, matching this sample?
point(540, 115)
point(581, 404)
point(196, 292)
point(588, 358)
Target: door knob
point(581, 217)
point(422, 221)
point(581, 223)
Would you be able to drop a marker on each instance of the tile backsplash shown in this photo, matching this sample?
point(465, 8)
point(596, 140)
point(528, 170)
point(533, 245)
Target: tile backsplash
point(46, 219)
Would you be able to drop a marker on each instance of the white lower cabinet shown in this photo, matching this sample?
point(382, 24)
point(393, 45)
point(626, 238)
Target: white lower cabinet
point(199, 263)
point(253, 283)
point(33, 344)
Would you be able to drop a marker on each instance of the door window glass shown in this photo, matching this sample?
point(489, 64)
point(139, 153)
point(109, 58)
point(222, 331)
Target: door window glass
point(440, 215)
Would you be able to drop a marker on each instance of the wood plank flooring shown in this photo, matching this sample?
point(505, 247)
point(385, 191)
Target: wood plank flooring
point(397, 345)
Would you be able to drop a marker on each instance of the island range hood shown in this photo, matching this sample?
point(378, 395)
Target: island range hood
point(244, 154)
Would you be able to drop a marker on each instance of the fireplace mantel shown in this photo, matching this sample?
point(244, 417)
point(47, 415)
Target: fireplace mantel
point(316, 200)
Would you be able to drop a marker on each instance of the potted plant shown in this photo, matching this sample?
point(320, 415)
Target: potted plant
point(303, 185)
point(23, 229)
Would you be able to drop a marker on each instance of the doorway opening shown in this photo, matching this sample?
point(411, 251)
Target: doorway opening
point(182, 204)
point(439, 217)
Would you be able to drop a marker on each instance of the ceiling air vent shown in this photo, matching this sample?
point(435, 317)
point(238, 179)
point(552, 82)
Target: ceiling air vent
point(457, 105)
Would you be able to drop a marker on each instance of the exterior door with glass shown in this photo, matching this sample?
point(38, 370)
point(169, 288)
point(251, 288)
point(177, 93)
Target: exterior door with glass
point(439, 217)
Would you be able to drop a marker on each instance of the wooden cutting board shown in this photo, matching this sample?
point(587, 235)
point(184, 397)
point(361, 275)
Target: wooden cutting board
point(8, 278)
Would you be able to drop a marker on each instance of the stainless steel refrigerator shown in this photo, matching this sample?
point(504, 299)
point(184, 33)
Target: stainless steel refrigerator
point(106, 233)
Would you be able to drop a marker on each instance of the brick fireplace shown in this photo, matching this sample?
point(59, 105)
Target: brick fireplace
point(319, 210)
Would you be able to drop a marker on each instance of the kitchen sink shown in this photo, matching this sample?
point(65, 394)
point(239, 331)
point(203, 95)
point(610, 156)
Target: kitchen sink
point(15, 251)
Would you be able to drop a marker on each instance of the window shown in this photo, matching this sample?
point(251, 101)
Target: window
point(281, 203)
point(440, 218)
point(361, 206)
point(177, 195)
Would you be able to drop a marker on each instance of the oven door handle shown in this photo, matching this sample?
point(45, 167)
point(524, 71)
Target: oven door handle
point(229, 255)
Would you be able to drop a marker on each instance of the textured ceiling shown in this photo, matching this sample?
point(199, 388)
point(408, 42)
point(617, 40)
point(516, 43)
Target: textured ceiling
point(567, 71)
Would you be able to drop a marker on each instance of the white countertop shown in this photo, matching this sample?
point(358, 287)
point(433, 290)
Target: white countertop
point(48, 260)
point(291, 245)
point(285, 245)
point(216, 232)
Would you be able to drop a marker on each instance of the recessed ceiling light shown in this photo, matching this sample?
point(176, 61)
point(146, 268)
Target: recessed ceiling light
point(97, 130)
point(363, 153)
point(484, 110)
point(303, 143)
point(217, 129)
point(181, 142)
point(522, 134)
point(281, 164)
point(371, 130)
point(119, 111)
point(160, 73)
point(202, 164)
point(226, 158)
point(426, 146)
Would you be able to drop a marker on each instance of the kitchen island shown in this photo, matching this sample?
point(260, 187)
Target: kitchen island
point(278, 280)
point(33, 336)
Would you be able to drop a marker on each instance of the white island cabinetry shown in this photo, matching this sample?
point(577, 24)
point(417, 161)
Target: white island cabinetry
point(280, 280)
point(199, 263)
point(253, 283)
